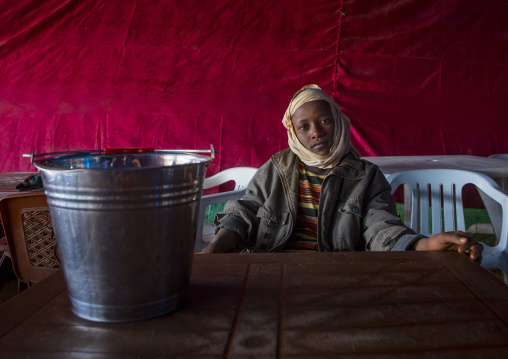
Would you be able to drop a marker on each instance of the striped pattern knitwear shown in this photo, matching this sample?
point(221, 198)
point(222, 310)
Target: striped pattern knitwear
point(304, 237)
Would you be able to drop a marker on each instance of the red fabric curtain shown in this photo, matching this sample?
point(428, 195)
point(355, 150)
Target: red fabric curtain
point(425, 77)
point(415, 77)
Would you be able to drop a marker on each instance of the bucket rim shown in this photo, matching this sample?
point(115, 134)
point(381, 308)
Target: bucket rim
point(199, 159)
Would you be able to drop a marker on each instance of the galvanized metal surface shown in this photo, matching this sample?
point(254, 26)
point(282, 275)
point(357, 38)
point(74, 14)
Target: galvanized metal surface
point(125, 226)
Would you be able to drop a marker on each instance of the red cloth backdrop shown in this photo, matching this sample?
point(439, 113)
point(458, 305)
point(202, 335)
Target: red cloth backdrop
point(416, 77)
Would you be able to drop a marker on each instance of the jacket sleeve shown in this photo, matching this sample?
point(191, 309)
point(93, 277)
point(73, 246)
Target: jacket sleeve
point(383, 229)
point(241, 215)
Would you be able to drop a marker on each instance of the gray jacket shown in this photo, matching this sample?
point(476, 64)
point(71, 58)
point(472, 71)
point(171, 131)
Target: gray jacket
point(356, 209)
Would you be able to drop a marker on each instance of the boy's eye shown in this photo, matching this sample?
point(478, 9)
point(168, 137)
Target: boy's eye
point(304, 127)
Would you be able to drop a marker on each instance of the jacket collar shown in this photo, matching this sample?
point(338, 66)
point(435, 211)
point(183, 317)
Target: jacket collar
point(349, 167)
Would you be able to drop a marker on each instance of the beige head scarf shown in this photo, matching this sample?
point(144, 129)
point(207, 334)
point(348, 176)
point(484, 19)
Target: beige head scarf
point(342, 142)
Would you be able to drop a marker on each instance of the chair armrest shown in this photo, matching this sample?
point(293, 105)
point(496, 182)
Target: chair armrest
point(207, 201)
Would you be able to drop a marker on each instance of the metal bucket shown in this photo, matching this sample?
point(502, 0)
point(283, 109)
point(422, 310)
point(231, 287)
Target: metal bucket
point(125, 226)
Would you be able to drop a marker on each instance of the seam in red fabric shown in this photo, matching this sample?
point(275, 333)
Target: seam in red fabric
point(221, 141)
point(104, 131)
point(35, 148)
point(98, 140)
point(124, 42)
point(337, 47)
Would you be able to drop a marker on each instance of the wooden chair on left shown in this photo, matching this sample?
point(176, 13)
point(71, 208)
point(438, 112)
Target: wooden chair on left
point(30, 238)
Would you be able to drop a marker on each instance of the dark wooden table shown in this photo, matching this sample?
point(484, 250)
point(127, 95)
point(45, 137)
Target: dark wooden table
point(354, 304)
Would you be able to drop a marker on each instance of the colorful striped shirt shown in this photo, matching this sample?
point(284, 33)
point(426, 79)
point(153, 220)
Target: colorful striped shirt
point(304, 237)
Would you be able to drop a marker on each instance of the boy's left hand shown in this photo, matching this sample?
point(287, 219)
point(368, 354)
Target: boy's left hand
point(458, 240)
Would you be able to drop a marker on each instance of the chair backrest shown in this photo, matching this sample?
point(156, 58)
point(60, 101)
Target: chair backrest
point(503, 156)
point(439, 191)
point(30, 236)
point(241, 176)
point(503, 181)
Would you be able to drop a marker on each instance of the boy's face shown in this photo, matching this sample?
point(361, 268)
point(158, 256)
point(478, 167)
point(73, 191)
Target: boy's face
point(314, 126)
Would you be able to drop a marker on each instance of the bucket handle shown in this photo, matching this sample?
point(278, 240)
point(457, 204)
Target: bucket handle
point(32, 155)
point(110, 151)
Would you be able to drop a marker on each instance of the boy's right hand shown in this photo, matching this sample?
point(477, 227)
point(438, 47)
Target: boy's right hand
point(225, 240)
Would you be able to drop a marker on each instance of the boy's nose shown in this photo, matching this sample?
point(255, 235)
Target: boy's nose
point(317, 131)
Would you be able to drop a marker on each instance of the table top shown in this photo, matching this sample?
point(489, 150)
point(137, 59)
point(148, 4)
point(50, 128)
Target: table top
point(492, 167)
point(9, 181)
point(299, 305)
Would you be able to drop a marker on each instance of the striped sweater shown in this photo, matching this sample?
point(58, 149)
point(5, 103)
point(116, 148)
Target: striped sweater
point(304, 236)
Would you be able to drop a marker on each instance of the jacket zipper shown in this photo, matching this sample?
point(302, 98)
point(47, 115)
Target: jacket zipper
point(292, 217)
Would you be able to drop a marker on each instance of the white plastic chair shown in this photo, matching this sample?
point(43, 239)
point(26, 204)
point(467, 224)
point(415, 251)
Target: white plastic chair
point(503, 156)
point(503, 181)
point(442, 188)
point(241, 176)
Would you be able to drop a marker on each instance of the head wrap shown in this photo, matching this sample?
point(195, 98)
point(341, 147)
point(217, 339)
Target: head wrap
point(341, 141)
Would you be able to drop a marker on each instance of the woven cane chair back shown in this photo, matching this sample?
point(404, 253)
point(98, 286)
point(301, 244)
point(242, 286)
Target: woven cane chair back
point(30, 236)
